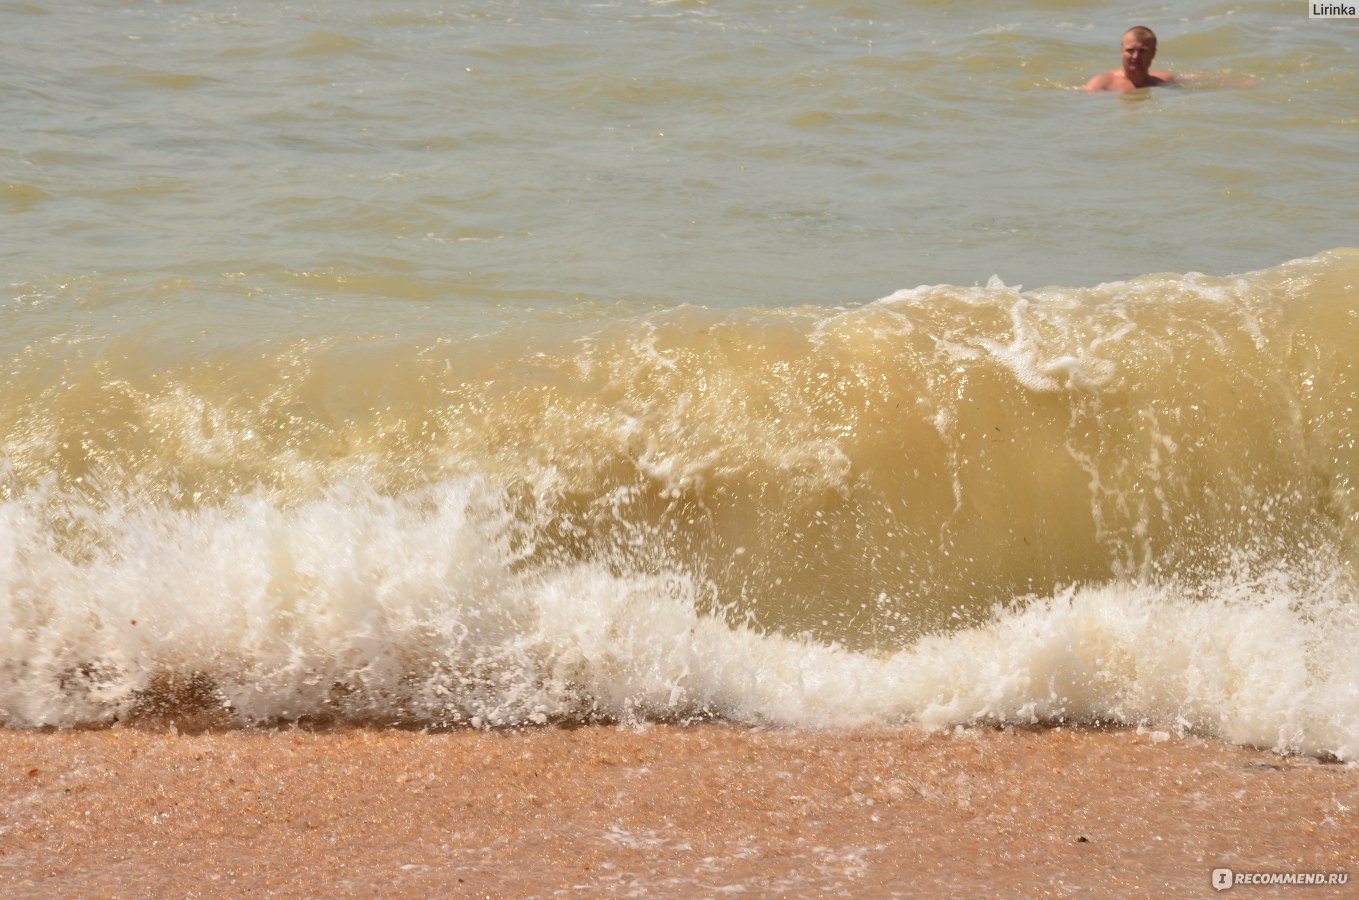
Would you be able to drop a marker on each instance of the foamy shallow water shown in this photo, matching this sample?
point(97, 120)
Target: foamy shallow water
point(374, 609)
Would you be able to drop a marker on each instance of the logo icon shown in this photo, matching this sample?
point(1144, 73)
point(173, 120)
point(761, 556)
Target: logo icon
point(1222, 879)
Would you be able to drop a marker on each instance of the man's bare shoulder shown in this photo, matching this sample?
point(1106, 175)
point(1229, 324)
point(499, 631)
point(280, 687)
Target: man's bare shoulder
point(1104, 81)
point(1115, 80)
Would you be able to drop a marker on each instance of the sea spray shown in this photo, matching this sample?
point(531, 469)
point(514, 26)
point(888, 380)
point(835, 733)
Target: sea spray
point(1127, 503)
point(415, 609)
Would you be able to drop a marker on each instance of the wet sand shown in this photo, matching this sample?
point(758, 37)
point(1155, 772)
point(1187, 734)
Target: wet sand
point(670, 811)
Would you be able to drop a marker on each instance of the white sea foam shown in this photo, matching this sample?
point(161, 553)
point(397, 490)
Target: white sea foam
point(424, 608)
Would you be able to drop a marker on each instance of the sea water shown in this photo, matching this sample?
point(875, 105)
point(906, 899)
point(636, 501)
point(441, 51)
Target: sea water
point(501, 362)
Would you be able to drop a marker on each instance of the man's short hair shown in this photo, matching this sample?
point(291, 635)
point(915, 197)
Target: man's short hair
point(1141, 32)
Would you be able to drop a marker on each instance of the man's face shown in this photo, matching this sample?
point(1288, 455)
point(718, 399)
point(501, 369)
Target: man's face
point(1138, 53)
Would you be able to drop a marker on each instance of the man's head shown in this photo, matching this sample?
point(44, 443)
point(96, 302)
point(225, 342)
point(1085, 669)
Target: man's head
point(1139, 49)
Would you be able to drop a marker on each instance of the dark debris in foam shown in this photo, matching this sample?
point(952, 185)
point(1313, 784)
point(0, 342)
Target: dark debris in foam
point(193, 703)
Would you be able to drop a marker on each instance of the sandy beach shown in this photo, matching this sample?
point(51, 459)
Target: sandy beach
point(674, 811)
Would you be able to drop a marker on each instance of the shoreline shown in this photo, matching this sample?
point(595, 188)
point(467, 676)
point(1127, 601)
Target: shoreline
point(674, 810)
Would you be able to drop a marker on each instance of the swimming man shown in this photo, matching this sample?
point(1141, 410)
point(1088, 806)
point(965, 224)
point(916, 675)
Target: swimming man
point(1139, 49)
